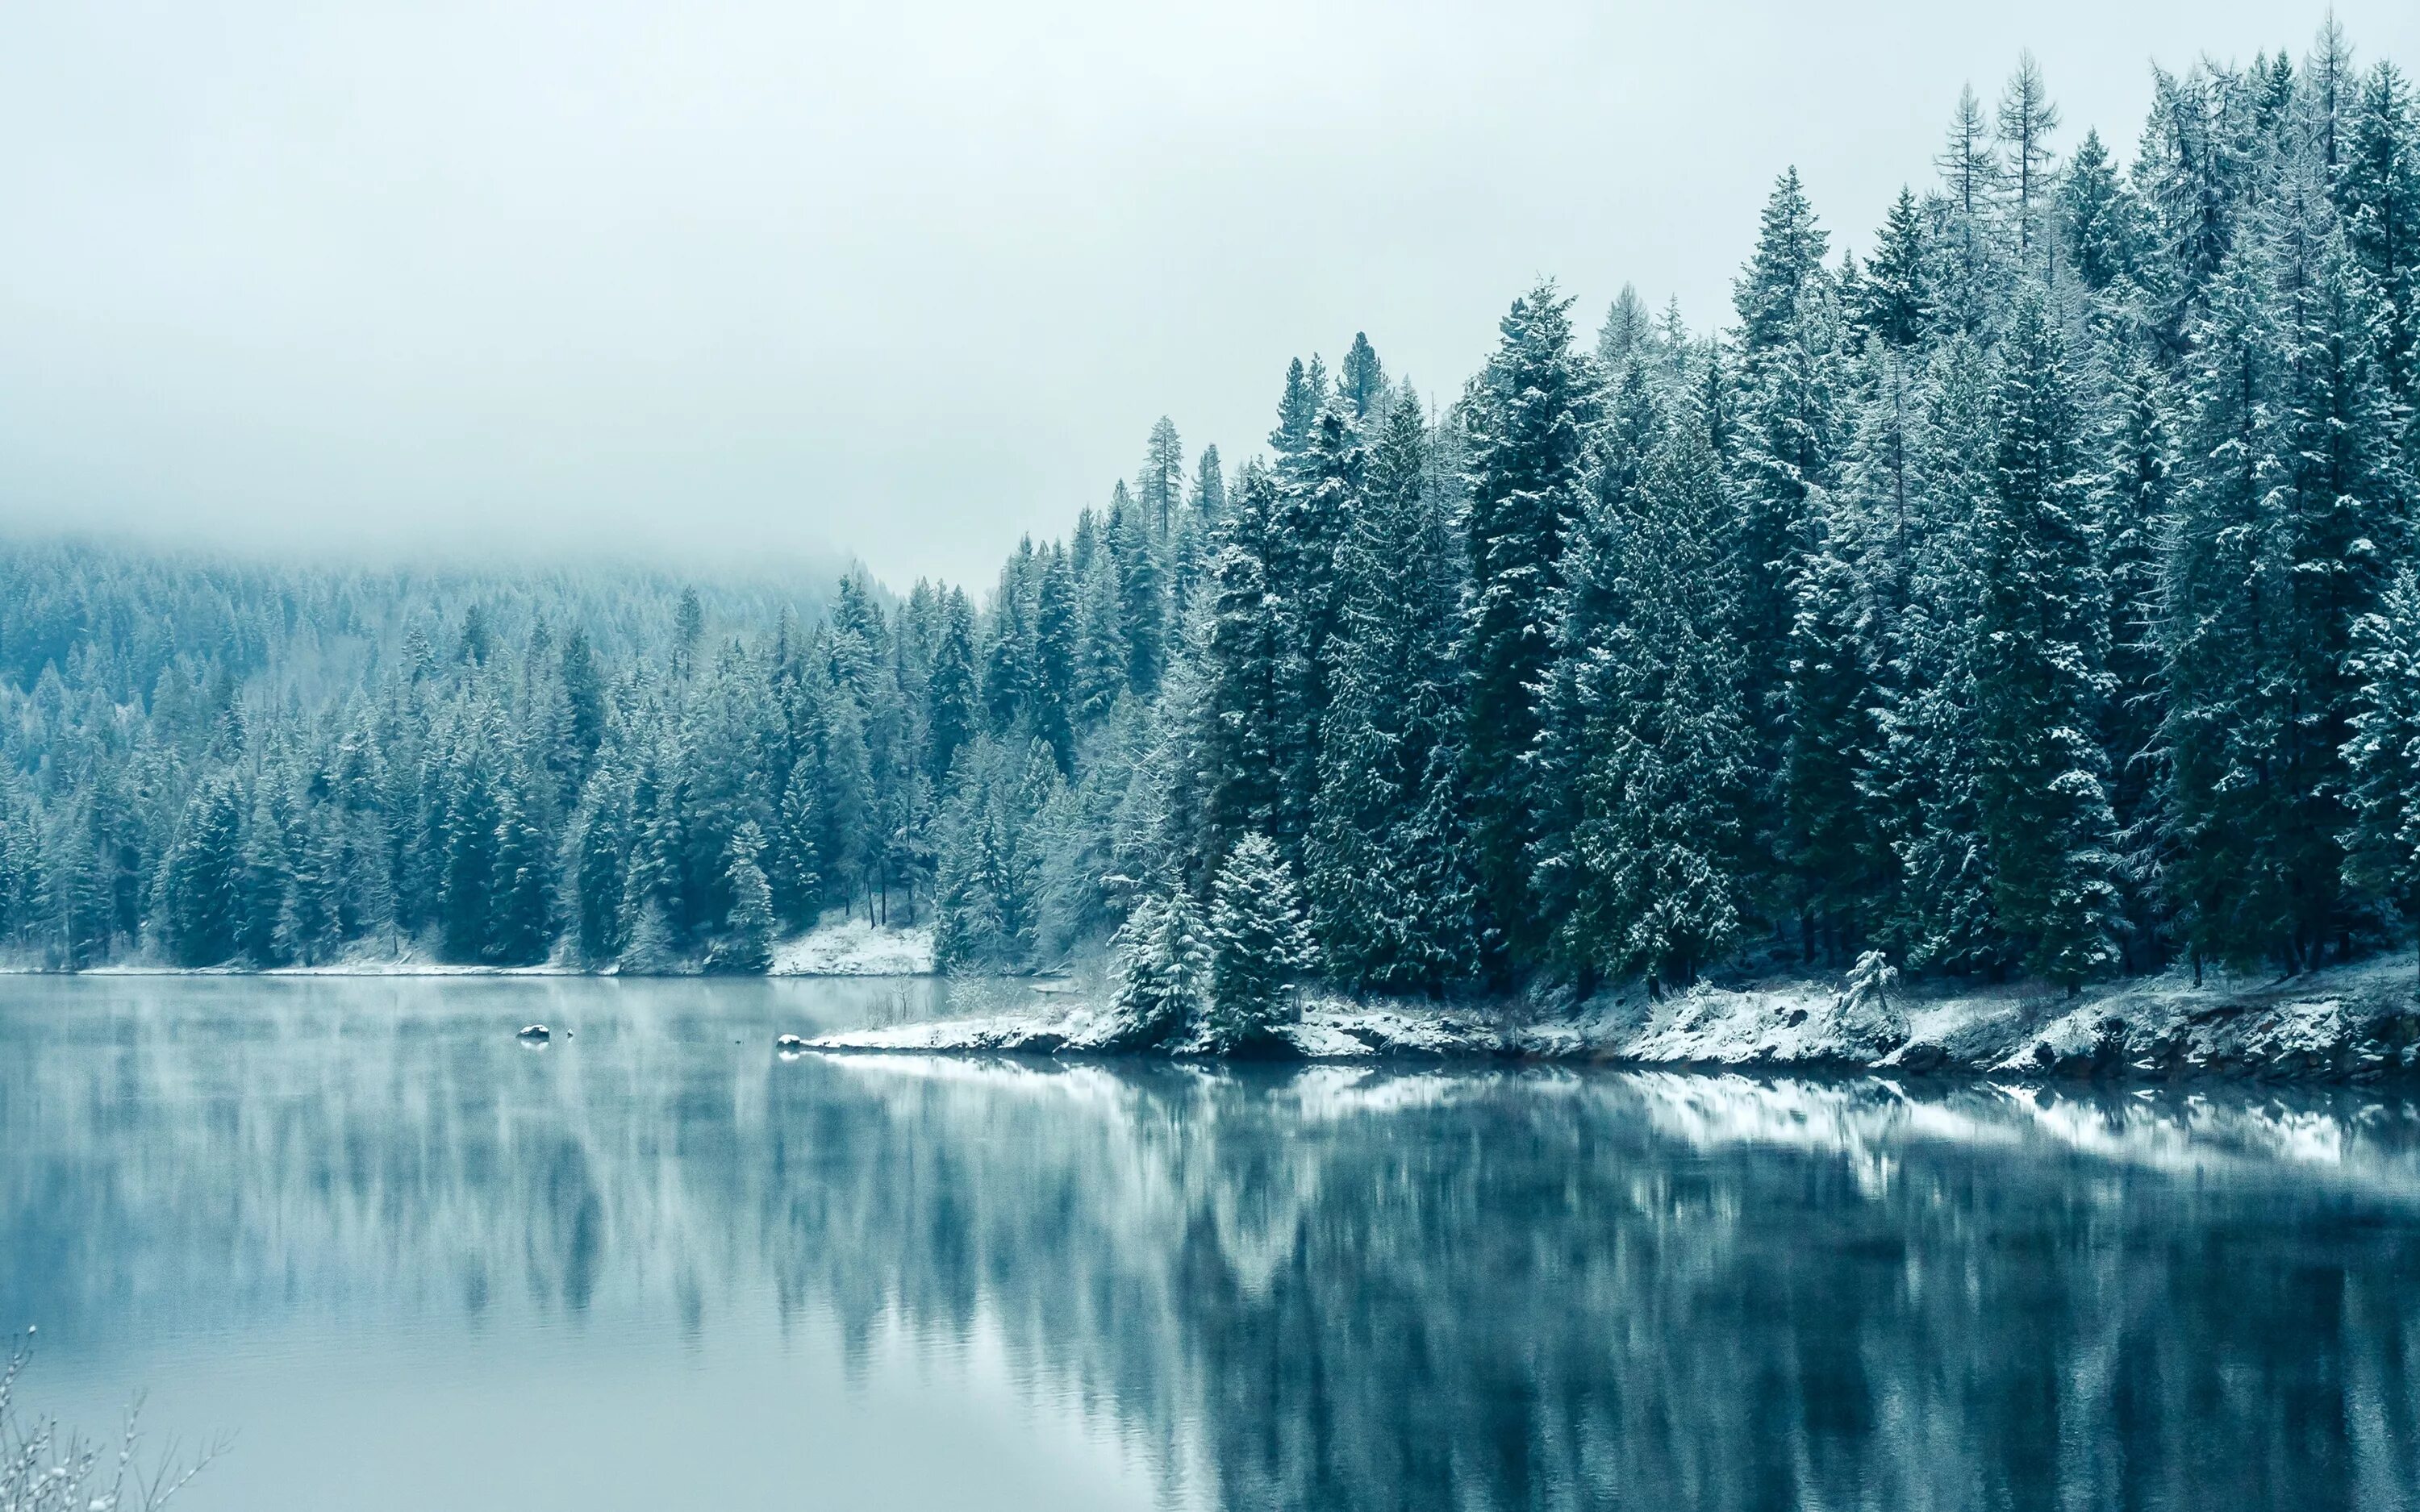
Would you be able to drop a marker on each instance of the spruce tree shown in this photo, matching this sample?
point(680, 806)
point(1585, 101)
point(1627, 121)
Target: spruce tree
point(522, 930)
point(1387, 867)
point(1526, 423)
point(747, 943)
point(2040, 645)
point(1159, 488)
point(1259, 948)
point(198, 893)
point(2382, 843)
point(598, 841)
point(1896, 305)
point(2097, 217)
point(265, 889)
point(1360, 379)
point(1655, 848)
point(1164, 963)
point(1314, 513)
point(950, 696)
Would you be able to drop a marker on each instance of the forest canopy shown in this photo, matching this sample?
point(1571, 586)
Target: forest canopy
point(2032, 591)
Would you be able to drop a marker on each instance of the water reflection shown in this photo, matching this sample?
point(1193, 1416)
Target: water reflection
point(1326, 1288)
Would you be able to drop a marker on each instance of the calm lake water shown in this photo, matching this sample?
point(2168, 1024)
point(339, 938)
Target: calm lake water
point(410, 1263)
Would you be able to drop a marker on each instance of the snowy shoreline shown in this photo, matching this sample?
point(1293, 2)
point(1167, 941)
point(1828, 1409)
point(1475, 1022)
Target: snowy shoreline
point(2354, 1022)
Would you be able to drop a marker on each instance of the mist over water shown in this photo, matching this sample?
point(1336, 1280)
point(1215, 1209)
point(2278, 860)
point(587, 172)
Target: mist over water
point(412, 1262)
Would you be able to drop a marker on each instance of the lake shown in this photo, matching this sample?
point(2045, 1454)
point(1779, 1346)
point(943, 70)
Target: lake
point(409, 1262)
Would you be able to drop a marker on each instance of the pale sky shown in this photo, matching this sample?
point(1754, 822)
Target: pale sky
point(902, 280)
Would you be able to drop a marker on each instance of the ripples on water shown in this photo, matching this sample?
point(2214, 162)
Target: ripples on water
point(412, 1263)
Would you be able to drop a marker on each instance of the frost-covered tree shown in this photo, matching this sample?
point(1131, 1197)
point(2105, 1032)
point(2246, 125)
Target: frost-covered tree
point(747, 942)
point(1526, 420)
point(2040, 645)
point(1387, 863)
point(1260, 947)
point(2382, 844)
point(1164, 965)
point(1655, 850)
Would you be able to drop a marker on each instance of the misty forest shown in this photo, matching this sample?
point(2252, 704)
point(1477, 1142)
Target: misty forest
point(2028, 592)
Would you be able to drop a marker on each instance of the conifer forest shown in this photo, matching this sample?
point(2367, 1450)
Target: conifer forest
point(2025, 586)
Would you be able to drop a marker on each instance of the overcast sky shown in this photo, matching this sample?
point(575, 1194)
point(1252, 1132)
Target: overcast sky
point(905, 279)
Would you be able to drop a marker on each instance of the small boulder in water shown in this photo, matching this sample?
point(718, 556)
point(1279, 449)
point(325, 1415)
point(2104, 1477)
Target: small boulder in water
point(790, 1044)
point(535, 1033)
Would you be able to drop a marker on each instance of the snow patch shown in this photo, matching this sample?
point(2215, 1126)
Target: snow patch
point(853, 948)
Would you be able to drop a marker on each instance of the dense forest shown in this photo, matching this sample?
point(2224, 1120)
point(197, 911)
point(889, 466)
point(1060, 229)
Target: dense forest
point(2034, 593)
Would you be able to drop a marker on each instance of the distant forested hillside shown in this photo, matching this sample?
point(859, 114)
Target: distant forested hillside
point(2030, 592)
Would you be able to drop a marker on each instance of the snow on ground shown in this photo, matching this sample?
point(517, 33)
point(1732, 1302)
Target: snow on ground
point(853, 948)
point(2346, 1023)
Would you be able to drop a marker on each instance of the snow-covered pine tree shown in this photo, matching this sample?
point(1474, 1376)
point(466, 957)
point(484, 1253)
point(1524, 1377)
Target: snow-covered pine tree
point(2382, 843)
point(1387, 864)
point(2097, 218)
point(1360, 379)
point(195, 899)
point(1260, 947)
point(597, 841)
point(747, 943)
point(951, 693)
point(1164, 960)
point(1160, 487)
point(1526, 420)
point(1794, 426)
point(2040, 671)
point(1587, 612)
point(1142, 594)
point(1922, 787)
point(1655, 850)
point(1241, 663)
point(2377, 181)
point(2136, 501)
point(1896, 302)
point(2335, 534)
point(1828, 745)
point(523, 888)
point(1315, 510)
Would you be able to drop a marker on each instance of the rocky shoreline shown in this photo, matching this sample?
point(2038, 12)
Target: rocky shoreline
point(2347, 1024)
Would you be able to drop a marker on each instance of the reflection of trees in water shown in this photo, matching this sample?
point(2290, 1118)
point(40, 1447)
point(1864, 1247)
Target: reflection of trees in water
point(1329, 1288)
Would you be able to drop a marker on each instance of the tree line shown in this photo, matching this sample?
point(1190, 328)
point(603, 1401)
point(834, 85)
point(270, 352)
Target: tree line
point(2034, 595)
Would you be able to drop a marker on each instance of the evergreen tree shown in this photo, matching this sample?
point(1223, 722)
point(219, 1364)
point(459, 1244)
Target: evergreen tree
point(1387, 866)
point(1314, 513)
point(2382, 843)
point(1654, 850)
point(1360, 382)
point(1260, 948)
point(265, 889)
point(747, 943)
point(198, 889)
point(1164, 963)
point(1159, 488)
point(1298, 405)
point(1896, 306)
point(950, 691)
point(1243, 668)
point(523, 890)
point(1526, 421)
point(1628, 332)
point(2097, 217)
point(1142, 603)
point(2379, 182)
point(2040, 647)
point(599, 840)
